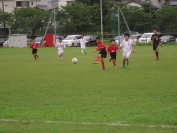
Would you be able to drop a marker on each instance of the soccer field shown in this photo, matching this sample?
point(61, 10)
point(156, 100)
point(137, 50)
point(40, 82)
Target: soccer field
point(56, 96)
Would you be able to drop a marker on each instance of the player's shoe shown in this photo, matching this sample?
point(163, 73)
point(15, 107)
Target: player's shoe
point(157, 58)
point(123, 67)
point(95, 62)
point(115, 67)
point(103, 69)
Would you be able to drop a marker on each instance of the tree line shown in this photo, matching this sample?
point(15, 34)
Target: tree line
point(83, 16)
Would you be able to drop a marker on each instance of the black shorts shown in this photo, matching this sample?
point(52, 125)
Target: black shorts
point(103, 53)
point(113, 55)
point(155, 46)
point(34, 51)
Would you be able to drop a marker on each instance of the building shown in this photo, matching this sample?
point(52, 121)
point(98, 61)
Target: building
point(174, 3)
point(65, 2)
point(134, 3)
point(47, 5)
point(156, 3)
point(9, 5)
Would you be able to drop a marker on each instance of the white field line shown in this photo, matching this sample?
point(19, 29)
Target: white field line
point(85, 123)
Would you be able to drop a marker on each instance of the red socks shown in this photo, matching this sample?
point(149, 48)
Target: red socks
point(35, 55)
point(114, 62)
point(97, 58)
point(102, 62)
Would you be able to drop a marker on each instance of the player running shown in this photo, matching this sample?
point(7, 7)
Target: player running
point(102, 54)
point(34, 46)
point(82, 44)
point(60, 46)
point(112, 49)
point(155, 41)
point(127, 44)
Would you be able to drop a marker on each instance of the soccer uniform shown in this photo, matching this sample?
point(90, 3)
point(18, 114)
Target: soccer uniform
point(127, 47)
point(82, 44)
point(60, 47)
point(112, 50)
point(156, 40)
point(102, 50)
point(34, 47)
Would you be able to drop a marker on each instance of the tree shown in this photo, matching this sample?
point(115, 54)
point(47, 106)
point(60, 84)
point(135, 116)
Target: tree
point(167, 19)
point(86, 13)
point(79, 16)
point(29, 20)
point(5, 18)
point(136, 18)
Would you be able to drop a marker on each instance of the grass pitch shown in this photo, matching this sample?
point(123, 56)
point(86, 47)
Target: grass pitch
point(83, 98)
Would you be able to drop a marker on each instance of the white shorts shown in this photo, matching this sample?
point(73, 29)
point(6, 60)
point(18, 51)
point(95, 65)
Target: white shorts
point(60, 51)
point(82, 46)
point(126, 54)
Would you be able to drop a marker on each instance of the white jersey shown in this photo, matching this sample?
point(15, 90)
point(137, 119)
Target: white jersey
point(127, 45)
point(60, 45)
point(82, 42)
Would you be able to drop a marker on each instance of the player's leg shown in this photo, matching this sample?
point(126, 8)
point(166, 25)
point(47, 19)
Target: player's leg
point(110, 58)
point(34, 51)
point(127, 57)
point(124, 59)
point(97, 59)
point(103, 55)
point(113, 57)
point(155, 48)
point(82, 51)
point(37, 54)
point(85, 50)
point(157, 53)
point(102, 63)
point(60, 53)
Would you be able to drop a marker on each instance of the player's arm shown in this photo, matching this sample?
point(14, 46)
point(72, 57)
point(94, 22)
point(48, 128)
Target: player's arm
point(152, 40)
point(30, 46)
point(95, 49)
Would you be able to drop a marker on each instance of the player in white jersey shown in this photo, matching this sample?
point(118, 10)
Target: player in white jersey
point(127, 44)
point(60, 48)
point(82, 44)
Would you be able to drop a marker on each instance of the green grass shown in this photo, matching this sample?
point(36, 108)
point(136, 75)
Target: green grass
point(145, 93)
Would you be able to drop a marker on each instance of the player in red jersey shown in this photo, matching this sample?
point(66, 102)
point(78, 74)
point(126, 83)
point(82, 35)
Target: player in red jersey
point(102, 54)
point(34, 47)
point(112, 49)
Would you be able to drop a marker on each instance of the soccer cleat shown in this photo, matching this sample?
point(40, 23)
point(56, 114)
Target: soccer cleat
point(123, 67)
point(115, 67)
point(95, 62)
point(103, 69)
point(157, 58)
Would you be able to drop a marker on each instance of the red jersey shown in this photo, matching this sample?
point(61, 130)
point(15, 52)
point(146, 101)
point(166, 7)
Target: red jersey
point(113, 48)
point(101, 46)
point(34, 46)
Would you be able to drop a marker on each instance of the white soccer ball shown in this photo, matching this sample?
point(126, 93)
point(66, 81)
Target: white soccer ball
point(74, 60)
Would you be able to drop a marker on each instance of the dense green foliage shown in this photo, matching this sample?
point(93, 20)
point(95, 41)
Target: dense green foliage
point(83, 16)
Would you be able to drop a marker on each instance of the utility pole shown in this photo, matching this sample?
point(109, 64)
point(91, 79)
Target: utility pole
point(101, 9)
point(118, 16)
point(150, 9)
point(4, 31)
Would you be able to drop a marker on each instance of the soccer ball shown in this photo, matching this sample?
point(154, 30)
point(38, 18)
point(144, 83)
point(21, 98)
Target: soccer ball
point(74, 60)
